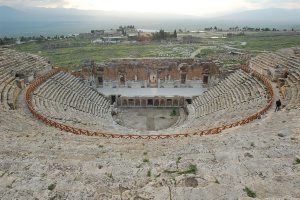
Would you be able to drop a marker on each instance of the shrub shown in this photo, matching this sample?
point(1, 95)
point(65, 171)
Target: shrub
point(149, 173)
point(297, 161)
point(178, 161)
point(249, 192)
point(109, 175)
point(51, 186)
point(173, 113)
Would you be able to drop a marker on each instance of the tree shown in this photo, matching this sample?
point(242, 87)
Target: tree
point(162, 34)
point(175, 34)
point(265, 29)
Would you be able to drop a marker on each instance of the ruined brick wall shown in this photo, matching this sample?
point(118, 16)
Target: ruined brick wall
point(162, 68)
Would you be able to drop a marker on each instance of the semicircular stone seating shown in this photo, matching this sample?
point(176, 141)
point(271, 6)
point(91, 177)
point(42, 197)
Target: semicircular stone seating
point(14, 68)
point(66, 99)
point(284, 61)
point(232, 99)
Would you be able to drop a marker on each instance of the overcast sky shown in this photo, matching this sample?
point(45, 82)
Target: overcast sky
point(204, 8)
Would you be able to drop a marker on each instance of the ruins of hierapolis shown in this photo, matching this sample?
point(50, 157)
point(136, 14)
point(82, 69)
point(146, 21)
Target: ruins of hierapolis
point(59, 131)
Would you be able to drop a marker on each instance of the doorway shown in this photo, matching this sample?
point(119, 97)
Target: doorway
point(122, 80)
point(113, 99)
point(183, 78)
point(205, 79)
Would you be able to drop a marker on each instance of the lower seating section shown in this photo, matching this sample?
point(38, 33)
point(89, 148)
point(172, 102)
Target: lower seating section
point(237, 89)
point(66, 99)
point(226, 116)
point(238, 96)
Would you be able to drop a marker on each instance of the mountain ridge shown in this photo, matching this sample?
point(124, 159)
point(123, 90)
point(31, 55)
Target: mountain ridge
point(51, 21)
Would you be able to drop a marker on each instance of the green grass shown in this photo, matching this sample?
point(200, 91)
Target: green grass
point(149, 173)
point(249, 192)
point(72, 56)
point(173, 113)
point(109, 175)
point(265, 41)
point(231, 62)
point(75, 51)
point(170, 171)
point(192, 170)
point(178, 160)
point(210, 51)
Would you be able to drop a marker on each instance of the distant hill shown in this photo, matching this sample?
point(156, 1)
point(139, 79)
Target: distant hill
point(63, 14)
point(8, 13)
point(42, 14)
point(51, 21)
point(266, 15)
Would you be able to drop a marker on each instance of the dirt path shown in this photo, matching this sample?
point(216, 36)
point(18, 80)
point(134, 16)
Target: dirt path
point(196, 52)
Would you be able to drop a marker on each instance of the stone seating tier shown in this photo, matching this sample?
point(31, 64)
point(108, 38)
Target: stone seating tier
point(286, 60)
point(12, 63)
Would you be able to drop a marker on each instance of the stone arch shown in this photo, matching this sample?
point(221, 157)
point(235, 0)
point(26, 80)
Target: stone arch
point(124, 102)
point(162, 102)
point(175, 102)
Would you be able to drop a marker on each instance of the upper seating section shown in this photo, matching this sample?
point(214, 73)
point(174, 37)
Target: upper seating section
point(16, 62)
point(285, 65)
point(14, 67)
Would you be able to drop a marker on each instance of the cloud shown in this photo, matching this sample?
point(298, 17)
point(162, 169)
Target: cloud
point(189, 7)
point(35, 3)
point(260, 4)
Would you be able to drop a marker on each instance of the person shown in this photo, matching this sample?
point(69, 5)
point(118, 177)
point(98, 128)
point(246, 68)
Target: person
point(278, 104)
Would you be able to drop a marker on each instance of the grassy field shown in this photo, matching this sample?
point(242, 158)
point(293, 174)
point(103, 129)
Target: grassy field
point(257, 42)
point(75, 52)
point(73, 57)
point(71, 53)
